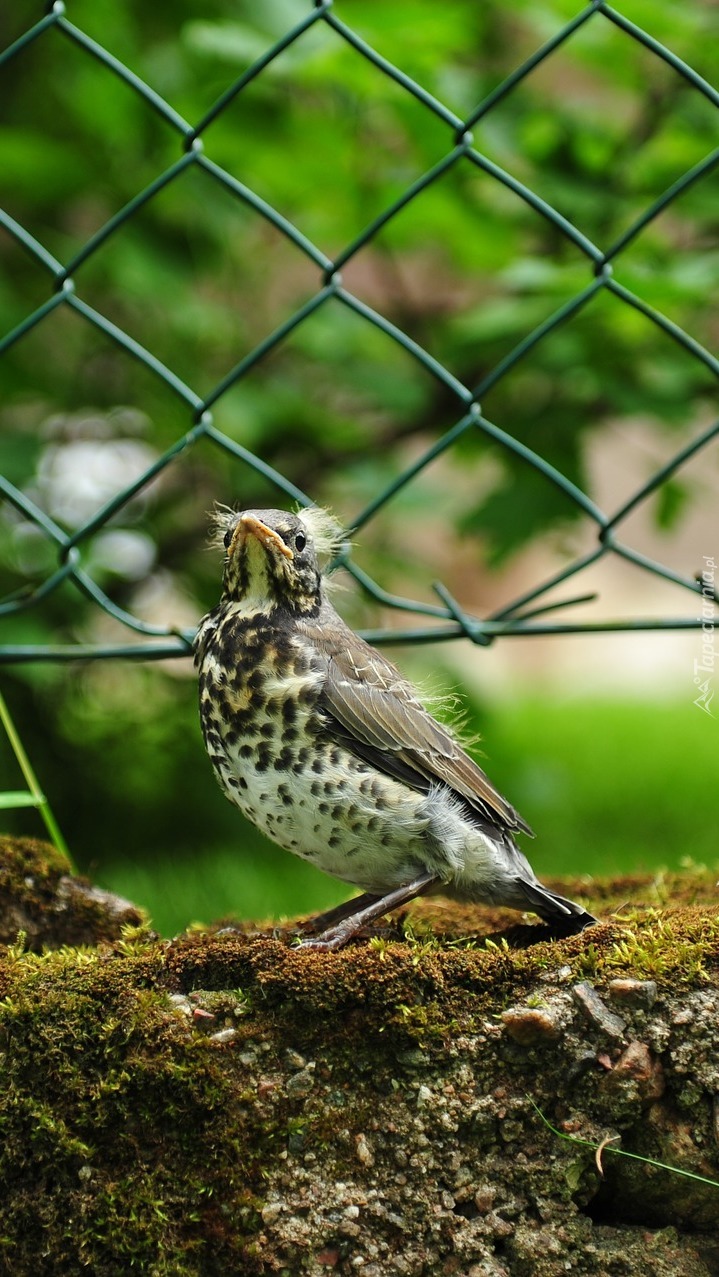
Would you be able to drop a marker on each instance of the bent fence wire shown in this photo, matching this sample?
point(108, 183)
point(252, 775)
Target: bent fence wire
point(526, 615)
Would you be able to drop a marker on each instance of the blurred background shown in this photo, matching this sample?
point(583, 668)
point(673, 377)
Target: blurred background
point(595, 737)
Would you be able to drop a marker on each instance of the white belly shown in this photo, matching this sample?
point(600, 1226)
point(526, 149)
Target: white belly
point(342, 817)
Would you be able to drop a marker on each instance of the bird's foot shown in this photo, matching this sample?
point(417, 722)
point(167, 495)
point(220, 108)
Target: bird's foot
point(364, 909)
point(331, 939)
point(328, 920)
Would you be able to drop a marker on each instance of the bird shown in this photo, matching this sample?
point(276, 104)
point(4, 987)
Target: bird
point(322, 744)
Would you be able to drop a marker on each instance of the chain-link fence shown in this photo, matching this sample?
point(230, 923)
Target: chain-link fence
point(524, 615)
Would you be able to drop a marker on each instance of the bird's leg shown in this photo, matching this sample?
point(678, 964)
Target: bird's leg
point(322, 921)
point(337, 936)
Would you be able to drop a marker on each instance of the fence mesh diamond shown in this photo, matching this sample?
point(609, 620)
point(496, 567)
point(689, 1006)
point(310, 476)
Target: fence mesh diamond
point(59, 286)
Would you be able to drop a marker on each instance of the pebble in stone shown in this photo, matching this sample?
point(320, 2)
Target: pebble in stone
point(181, 1003)
point(223, 1035)
point(530, 1026)
point(301, 1083)
point(639, 1070)
point(638, 993)
point(595, 1010)
point(364, 1152)
point(271, 1212)
point(484, 1198)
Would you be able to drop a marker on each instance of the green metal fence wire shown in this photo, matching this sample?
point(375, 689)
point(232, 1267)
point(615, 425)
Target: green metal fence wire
point(529, 614)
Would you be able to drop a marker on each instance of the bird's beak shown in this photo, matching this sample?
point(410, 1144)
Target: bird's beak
point(250, 525)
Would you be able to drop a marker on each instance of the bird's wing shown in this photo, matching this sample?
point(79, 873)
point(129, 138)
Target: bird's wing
point(377, 714)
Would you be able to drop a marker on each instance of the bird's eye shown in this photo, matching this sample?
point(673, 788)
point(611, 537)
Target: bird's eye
point(228, 537)
point(300, 541)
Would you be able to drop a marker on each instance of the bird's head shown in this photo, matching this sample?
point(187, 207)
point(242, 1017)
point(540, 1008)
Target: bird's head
point(274, 557)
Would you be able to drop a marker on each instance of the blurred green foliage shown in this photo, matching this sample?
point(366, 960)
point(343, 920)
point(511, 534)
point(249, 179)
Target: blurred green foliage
point(609, 786)
point(467, 270)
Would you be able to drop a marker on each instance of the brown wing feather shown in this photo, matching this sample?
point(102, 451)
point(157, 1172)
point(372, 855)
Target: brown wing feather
point(379, 715)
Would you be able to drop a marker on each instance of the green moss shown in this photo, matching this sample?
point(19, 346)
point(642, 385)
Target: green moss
point(40, 897)
point(133, 1137)
point(129, 1094)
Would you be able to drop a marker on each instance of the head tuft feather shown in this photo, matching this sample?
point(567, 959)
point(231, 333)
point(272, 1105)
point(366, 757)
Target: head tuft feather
point(325, 532)
point(323, 529)
point(222, 517)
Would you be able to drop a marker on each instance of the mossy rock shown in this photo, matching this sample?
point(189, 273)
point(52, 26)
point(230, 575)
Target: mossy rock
point(42, 898)
point(223, 1103)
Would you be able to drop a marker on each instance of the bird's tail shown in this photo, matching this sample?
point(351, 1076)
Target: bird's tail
point(560, 913)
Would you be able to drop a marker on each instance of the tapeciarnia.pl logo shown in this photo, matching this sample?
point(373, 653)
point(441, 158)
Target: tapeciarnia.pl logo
point(704, 666)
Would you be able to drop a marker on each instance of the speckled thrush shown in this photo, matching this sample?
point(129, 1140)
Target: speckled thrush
point(322, 744)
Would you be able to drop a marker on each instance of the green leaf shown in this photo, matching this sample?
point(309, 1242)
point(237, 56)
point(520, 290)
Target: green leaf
point(671, 502)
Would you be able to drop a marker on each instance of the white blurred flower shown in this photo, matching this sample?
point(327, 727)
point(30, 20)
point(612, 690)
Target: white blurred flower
point(76, 478)
point(125, 553)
